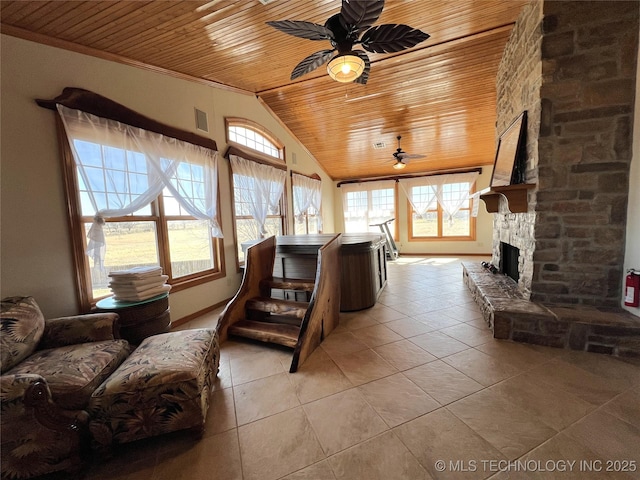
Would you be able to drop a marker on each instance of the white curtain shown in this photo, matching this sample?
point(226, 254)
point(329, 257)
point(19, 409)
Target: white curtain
point(450, 199)
point(123, 169)
point(306, 194)
point(423, 197)
point(258, 187)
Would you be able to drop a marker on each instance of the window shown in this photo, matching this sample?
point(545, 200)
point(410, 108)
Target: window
point(440, 207)
point(366, 205)
point(307, 197)
point(139, 198)
point(251, 135)
point(258, 177)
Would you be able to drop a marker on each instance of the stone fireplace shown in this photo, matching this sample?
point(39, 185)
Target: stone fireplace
point(571, 66)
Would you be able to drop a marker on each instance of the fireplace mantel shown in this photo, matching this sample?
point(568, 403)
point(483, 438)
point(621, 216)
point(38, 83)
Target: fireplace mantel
point(515, 195)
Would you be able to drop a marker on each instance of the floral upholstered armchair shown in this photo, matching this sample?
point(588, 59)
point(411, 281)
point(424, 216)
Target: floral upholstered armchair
point(49, 369)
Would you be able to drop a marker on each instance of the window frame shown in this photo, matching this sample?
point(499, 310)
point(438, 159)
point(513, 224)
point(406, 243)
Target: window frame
point(76, 222)
point(306, 215)
point(440, 217)
point(395, 230)
point(249, 153)
point(259, 129)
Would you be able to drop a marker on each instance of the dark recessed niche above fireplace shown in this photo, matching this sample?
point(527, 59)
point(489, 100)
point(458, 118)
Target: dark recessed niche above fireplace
point(509, 256)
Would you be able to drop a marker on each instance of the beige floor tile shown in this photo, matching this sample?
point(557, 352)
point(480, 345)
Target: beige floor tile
point(479, 322)
point(519, 355)
point(404, 354)
point(264, 397)
point(342, 344)
point(439, 344)
point(397, 399)
point(249, 367)
point(605, 366)
point(506, 426)
point(381, 458)
point(239, 348)
point(463, 313)
point(363, 366)
point(343, 420)
point(223, 378)
point(435, 304)
point(376, 335)
point(483, 368)
point(317, 471)
point(436, 320)
point(441, 436)
point(564, 458)
point(626, 406)
point(409, 308)
point(577, 381)
point(221, 415)
point(469, 334)
point(608, 436)
point(218, 453)
point(277, 446)
point(408, 327)
point(358, 320)
point(318, 377)
point(550, 404)
point(385, 314)
point(442, 381)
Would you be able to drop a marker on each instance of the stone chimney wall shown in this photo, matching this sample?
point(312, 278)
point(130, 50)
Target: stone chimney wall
point(571, 65)
point(518, 89)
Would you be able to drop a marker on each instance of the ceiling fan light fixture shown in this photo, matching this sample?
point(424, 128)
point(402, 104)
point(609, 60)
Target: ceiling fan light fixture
point(399, 165)
point(345, 67)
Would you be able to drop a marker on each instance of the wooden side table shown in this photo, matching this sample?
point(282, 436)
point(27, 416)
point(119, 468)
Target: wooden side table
point(139, 320)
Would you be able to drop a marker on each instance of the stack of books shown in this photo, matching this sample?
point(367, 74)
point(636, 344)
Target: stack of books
point(138, 283)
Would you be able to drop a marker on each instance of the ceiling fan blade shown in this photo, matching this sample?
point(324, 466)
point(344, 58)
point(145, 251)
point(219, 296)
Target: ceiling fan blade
point(301, 29)
point(310, 63)
point(360, 14)
point(406, 156)
point(362, 79)
point(389, 38)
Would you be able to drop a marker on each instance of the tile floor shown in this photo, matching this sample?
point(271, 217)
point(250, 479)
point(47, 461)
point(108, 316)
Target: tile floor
point(412, 388)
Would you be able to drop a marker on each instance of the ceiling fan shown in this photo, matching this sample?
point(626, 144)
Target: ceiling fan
point(402, 158)
point(344, 30)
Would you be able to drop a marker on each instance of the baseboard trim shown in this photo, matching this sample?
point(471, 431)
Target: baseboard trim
point(188, 318)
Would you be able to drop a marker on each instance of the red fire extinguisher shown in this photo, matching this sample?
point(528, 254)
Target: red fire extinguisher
point(632, 288)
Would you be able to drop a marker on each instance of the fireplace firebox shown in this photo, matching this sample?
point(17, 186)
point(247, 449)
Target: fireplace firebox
point(509, 256)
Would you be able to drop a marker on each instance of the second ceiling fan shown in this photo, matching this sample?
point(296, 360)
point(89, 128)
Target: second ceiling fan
point(344, 30)
point(402, 158)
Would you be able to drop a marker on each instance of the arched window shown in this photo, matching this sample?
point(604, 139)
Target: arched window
point(251, 135)
point(258, 176)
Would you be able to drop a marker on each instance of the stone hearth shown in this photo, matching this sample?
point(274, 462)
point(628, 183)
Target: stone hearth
point(578, 327)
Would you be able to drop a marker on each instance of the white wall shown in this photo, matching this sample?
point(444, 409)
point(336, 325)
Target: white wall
point(484, 227)
point(632, 250)
point(35, 256)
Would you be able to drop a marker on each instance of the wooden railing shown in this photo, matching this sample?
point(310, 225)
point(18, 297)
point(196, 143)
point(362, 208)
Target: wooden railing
point(323, 314)
point(258, 266)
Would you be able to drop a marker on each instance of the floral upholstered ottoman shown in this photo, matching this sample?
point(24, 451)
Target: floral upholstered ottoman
point(163, 386)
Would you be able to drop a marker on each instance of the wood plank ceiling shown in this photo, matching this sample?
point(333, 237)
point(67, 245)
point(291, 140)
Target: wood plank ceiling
point(439, 96)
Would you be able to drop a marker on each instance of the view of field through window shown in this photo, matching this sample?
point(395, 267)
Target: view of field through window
point(112, 178)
